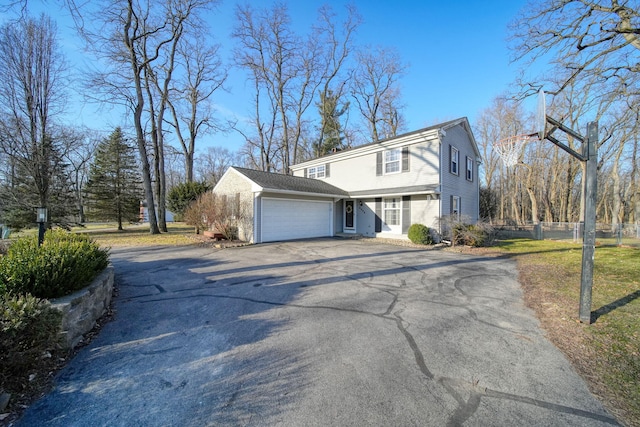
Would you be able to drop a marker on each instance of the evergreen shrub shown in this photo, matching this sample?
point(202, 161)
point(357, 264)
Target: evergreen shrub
point(63, 264)
point(419, 234)
point(29, 328)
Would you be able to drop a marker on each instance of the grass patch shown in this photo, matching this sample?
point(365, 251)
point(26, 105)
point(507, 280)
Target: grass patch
point(607, 352)
point(178, 234)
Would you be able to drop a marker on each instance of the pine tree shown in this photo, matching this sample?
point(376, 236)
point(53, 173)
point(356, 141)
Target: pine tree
point(331, 134)
point(114, 188)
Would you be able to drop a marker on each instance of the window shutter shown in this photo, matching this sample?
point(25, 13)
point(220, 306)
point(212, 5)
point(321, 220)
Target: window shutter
point(405, 159)
point(326, 170)
point(450, 205)
point(225, 205)
point(305, 172)
point(237, 205)
point(378, 214)
point(406, 213)
point(379, 163)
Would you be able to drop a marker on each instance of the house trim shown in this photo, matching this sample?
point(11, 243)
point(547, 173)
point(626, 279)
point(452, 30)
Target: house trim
point(408, 191)
point(388, 144)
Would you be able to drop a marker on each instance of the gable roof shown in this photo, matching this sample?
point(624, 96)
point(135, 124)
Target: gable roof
point(430, 131)
point(281, 183)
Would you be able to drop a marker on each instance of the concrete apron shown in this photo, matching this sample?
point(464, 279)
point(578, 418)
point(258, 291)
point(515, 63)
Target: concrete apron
point(322, 332)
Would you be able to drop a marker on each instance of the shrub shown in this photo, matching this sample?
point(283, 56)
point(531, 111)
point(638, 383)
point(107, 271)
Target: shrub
point(420, 234)
point(217, 212)
point(29, 327)
point(476, 235)
point(63, 264)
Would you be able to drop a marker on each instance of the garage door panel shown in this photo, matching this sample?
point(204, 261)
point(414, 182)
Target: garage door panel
point(284, 219)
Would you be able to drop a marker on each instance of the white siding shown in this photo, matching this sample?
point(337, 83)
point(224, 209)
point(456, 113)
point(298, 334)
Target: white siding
point(358, 173)
point(425, 210)
point(233, 183)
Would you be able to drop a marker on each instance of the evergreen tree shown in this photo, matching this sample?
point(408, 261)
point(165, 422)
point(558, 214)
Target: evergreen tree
point(36, 178)
point(114, 188)
point(182, 195)
point(331, 134)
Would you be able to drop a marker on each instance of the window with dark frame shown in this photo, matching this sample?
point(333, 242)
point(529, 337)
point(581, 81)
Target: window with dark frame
point(316, 172)
point(455, 160)
point(392, 161)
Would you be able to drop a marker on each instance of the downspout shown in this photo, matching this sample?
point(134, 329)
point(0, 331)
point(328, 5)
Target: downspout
point(477, 181)
point(257, 216)
point(441, 134)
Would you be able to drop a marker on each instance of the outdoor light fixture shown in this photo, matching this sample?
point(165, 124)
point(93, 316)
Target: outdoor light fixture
point(41, 214)
point(41, 219)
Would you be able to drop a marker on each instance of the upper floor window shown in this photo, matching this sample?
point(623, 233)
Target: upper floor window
point(469, 169)
point(316, 172)
point(392, 161)
point(455, 160)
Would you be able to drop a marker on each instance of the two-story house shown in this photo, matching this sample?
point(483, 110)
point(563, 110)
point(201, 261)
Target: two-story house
point(376, 190)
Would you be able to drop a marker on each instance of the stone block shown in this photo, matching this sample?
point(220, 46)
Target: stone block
point(81, 309)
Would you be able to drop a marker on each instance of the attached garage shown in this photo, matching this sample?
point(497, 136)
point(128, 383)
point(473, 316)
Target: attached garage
point(289, 219)
point(276, 207)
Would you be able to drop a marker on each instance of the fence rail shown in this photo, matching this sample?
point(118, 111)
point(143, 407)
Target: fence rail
point(606, 234)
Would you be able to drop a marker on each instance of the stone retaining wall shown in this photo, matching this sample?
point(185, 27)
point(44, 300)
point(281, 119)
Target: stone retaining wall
point(81, 309)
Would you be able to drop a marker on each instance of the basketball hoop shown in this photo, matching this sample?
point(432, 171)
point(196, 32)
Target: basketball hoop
point(509, 148)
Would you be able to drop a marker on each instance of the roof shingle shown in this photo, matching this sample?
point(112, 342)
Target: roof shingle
point(280, 182)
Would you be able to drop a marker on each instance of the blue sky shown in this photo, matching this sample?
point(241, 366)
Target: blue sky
point(456, 51)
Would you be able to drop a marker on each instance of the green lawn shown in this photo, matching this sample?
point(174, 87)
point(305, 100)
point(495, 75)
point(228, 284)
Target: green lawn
point(133, 235)
point(607, 352)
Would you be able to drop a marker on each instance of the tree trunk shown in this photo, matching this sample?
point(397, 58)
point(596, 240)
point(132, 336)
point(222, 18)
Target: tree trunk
point(137, 121)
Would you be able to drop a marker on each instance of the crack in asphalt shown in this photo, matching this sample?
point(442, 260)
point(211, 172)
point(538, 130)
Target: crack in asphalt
point(455, 388)
point(466, 408)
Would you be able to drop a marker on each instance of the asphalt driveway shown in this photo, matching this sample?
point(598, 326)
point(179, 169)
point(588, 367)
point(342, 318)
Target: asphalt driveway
point(322, 332)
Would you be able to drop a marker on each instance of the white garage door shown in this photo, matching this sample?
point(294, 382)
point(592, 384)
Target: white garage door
point(284, 219)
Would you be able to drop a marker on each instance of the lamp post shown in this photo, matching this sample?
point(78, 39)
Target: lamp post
point(41, 219)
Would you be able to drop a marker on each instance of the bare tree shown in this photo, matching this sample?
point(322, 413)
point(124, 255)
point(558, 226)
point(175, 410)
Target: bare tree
point(180, 17)
point(31, 95)
point(285, 71)
point(136, 43)
point(593, 52)
point(590, 39)
point(214, 162)
point(338, 47)
point(504, 118)
point(192, 113)
point(80, 146)
point(374, 87)
point(128, 36)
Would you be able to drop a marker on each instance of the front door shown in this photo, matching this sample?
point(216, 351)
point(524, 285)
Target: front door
point(349, 215)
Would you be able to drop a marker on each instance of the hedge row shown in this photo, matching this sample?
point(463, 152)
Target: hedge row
point(63, 264)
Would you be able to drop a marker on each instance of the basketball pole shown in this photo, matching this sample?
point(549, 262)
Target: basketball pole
point(589, 238)
point(589, 157)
